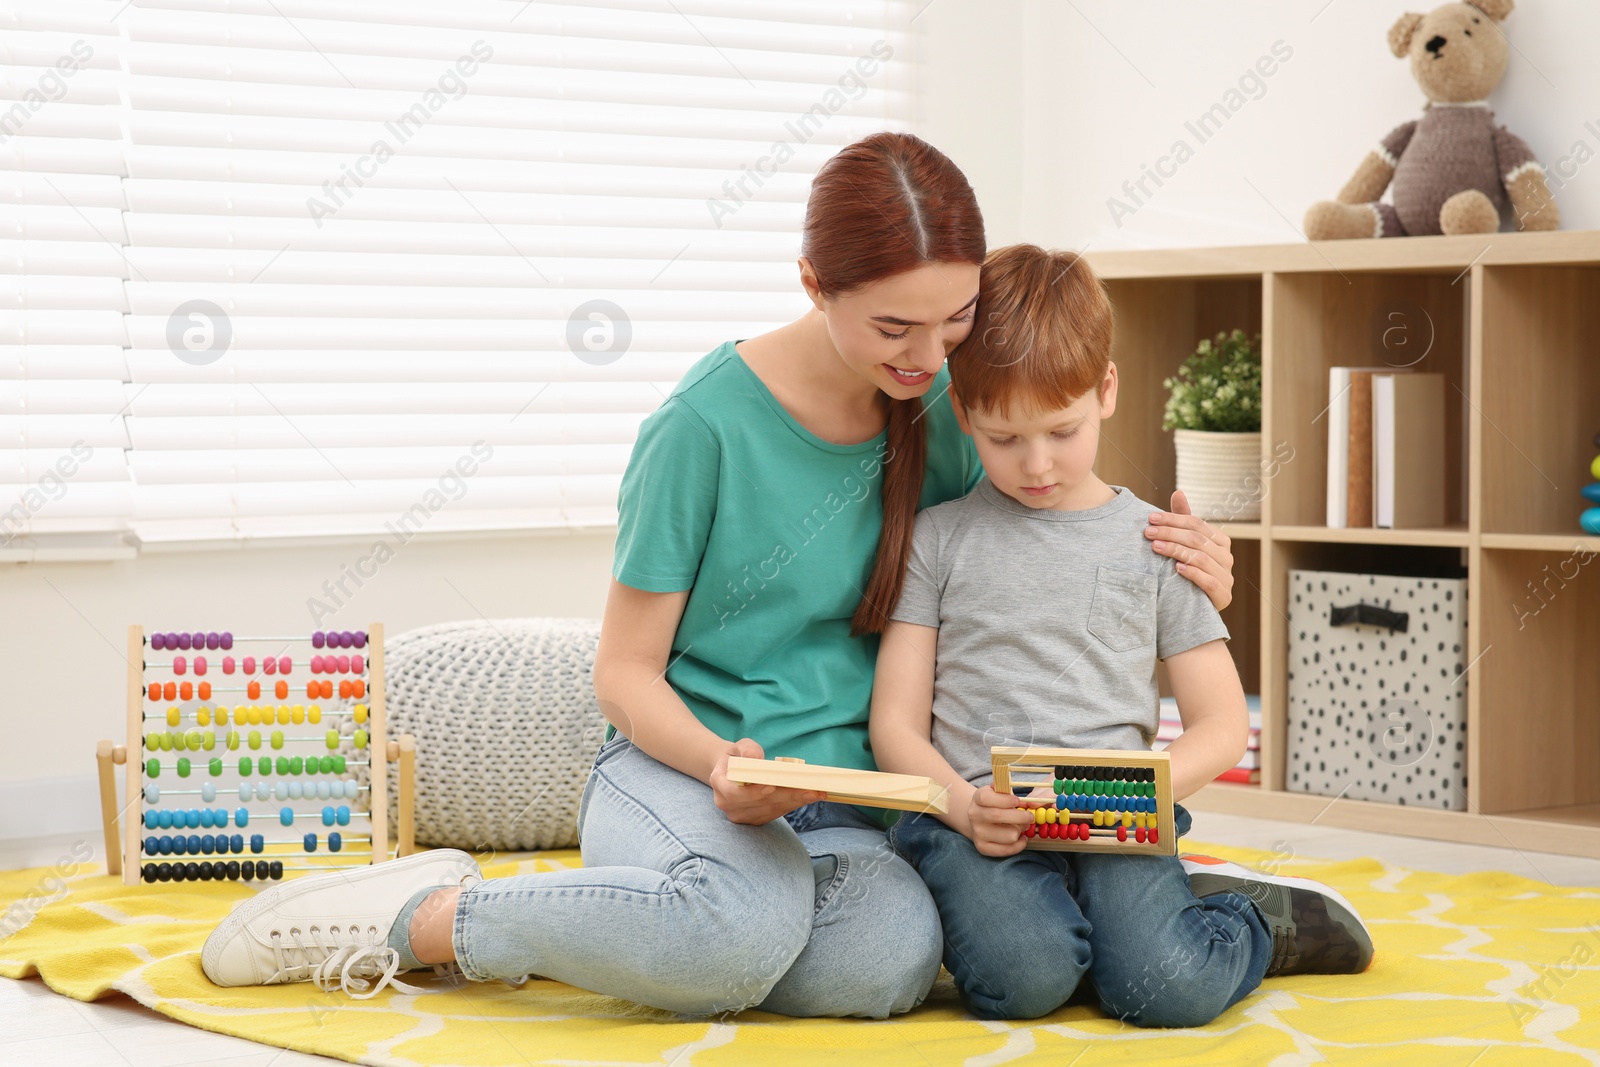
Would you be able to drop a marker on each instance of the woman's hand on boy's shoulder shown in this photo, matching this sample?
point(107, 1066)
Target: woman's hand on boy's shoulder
point(996, 821)
point(1202, 552)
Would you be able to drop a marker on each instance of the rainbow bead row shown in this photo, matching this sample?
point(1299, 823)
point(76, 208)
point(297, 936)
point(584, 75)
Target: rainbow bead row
point(212, 640)
point(209, 870)
point(272, 665)
point(323, 688)
point(195, 740)
point(206, 844)
point(258, 714)
point(1051, 822)
point(322, 789)
point(334, 764)
point(192, 818)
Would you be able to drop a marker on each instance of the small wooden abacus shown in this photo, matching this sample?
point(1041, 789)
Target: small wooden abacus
point(845, 785)
point(1105, 800)
point(177, 714)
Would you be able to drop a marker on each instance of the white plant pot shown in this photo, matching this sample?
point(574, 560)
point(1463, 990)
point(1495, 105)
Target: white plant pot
point(1221, 474)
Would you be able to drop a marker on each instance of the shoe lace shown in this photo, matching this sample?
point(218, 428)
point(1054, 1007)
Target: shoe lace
point(1285, 950)
point(340, 958)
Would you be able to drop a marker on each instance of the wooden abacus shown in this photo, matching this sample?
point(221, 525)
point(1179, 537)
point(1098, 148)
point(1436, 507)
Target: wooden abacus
point(357, 696)
point(1105, 800)
point(846, 785)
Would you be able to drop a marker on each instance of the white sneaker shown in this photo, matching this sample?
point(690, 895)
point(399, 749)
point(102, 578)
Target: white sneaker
point(332, 929)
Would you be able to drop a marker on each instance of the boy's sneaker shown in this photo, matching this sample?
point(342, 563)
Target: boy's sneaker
point(1314, 929)
point(331, 928)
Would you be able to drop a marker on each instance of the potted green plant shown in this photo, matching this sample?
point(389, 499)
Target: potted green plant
point(1215, 410)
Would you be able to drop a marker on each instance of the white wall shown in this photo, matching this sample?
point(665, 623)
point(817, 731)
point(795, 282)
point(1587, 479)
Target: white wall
point(1108, 89)
point(971, 104)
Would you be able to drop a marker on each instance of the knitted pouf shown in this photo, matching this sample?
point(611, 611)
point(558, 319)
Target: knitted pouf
point(506, 725)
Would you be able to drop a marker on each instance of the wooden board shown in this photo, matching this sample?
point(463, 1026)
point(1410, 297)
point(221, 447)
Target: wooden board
point(846, 785)
point(1016, 767)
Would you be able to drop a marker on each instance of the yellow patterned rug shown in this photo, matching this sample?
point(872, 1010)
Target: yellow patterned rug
point(1486, 970)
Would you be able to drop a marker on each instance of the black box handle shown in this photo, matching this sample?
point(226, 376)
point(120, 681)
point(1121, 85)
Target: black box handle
point(1371, 614)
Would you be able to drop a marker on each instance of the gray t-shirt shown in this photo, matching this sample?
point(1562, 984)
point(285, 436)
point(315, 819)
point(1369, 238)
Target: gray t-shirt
point(1050, 623)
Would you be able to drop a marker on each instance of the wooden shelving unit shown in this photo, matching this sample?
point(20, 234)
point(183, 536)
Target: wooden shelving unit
point(1513, 322)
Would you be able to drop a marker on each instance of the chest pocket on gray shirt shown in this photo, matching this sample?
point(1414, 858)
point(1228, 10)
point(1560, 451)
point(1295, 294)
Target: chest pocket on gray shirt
point(1123, 612)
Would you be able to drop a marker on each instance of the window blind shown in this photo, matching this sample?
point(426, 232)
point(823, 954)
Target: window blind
point(63, 303)
point(366, 265)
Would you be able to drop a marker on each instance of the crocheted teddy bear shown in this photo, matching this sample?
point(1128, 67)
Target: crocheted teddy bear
point(1454, 171)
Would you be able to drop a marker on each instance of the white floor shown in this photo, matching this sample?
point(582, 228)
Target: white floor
point(38, 1028)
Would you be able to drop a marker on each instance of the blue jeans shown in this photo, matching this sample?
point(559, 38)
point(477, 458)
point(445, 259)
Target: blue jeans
point(678, 908)
point(1022, 931)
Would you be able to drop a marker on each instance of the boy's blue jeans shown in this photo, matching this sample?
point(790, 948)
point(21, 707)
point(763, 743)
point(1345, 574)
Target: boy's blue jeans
point(1021, 932)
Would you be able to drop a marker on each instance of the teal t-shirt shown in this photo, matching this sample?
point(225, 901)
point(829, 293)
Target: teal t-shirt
point(775, 532)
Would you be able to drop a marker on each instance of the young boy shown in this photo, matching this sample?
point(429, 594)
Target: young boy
point(1034, 613)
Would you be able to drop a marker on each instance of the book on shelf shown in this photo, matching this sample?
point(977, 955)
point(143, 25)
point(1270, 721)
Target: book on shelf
point(1338, 415)
point(1407, 444)
point(1385, 434)
point(1358, 480)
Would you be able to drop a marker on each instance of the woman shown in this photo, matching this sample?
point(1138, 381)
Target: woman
point(757, 560)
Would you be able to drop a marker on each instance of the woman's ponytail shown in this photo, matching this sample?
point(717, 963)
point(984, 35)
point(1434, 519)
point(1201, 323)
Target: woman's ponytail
point(903, 467)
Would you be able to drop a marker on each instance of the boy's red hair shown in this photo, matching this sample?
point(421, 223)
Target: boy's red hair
point(1042, 336)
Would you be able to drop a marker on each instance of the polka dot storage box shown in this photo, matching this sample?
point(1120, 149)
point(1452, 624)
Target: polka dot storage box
point(506, 724)
point(1378, 688)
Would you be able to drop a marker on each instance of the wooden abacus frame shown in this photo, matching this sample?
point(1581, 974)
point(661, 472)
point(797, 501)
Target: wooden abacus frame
point(846, 785)
point(122, 837)
point(1010, 762)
